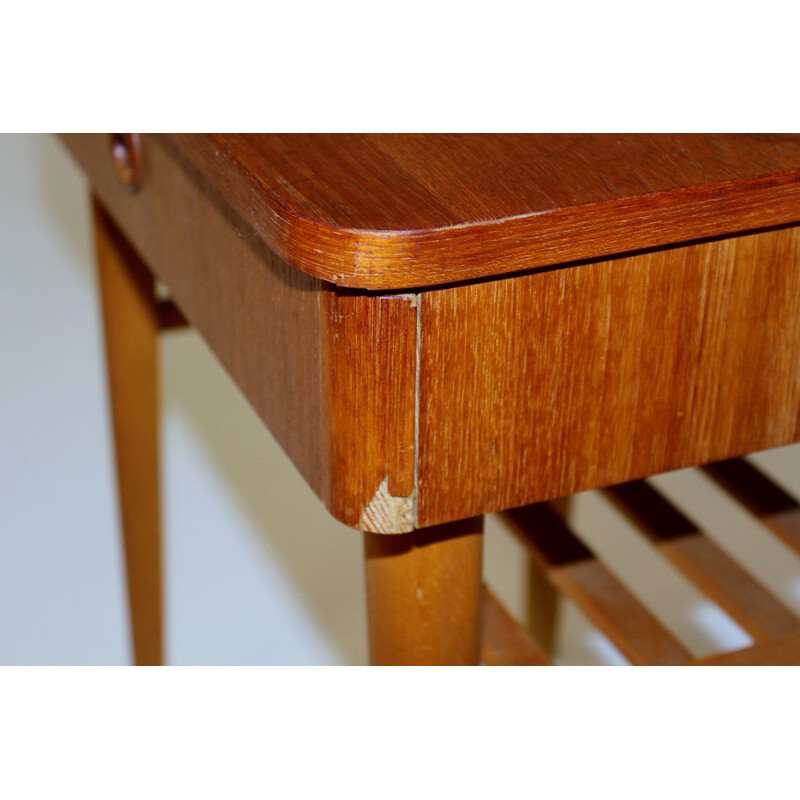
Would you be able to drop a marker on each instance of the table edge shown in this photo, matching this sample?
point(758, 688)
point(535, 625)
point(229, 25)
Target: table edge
point(391, 260)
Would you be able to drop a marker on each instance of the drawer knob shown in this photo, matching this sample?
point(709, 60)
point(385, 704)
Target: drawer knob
point(126, 155)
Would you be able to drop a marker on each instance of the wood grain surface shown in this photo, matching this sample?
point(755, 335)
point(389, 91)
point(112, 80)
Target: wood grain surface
point(543, 385)
point(417, 409)
point(387, 212)
point(425, 595)
point(528, 388)
point(331, 372)
point(369, 382)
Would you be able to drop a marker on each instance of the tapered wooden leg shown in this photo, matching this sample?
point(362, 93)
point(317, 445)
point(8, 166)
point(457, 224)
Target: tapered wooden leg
point(131, 333)
point(424, 594)
point(543, 598)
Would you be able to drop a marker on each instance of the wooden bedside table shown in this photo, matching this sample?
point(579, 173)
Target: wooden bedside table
point(436, 327)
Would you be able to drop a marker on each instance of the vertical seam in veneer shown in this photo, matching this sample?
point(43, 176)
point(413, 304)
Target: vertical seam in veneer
point(418, 303)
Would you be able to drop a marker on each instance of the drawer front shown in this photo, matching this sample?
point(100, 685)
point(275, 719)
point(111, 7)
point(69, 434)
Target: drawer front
point(550, 383)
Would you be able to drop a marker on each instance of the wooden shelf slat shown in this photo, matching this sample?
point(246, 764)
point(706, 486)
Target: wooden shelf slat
point(776, 509)
point(574, 570)
point(780, 651)
point(712, 570)
point(505, 642)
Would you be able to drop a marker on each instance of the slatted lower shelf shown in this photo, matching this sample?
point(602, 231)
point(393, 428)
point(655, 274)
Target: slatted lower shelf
point(572, 569)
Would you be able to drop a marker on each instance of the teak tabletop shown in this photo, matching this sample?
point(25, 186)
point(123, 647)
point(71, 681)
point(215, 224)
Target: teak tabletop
point(435, 327)
point(386, 212)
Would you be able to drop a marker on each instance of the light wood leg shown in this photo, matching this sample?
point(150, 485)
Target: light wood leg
point(131, 333)
point(543, 598)
point(424, 594)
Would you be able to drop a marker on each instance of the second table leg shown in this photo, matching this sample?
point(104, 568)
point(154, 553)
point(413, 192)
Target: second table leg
point(424, 594)
point(131, 338)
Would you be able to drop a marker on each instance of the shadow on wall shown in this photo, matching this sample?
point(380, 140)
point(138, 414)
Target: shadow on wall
point(321, 557)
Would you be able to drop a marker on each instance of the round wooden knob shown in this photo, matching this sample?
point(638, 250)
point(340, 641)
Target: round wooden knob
point(126, 155)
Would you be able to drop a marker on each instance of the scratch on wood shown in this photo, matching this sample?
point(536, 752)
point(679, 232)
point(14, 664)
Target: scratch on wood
point(386, 513)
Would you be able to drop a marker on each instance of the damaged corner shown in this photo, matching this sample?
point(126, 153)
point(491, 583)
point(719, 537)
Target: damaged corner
point(386, 513)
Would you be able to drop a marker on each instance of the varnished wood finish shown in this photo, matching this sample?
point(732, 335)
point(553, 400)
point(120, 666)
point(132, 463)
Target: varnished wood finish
point(715, 573)
point(574, 570)
point(424, 595)
point(504, 642)
point(131, 329)
point(530, 388)
point(413, 399)
point(782, 651)
point(540, 386)
point(311, 360)
point(760, 496)
point(399, 211)
point(370, 395)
